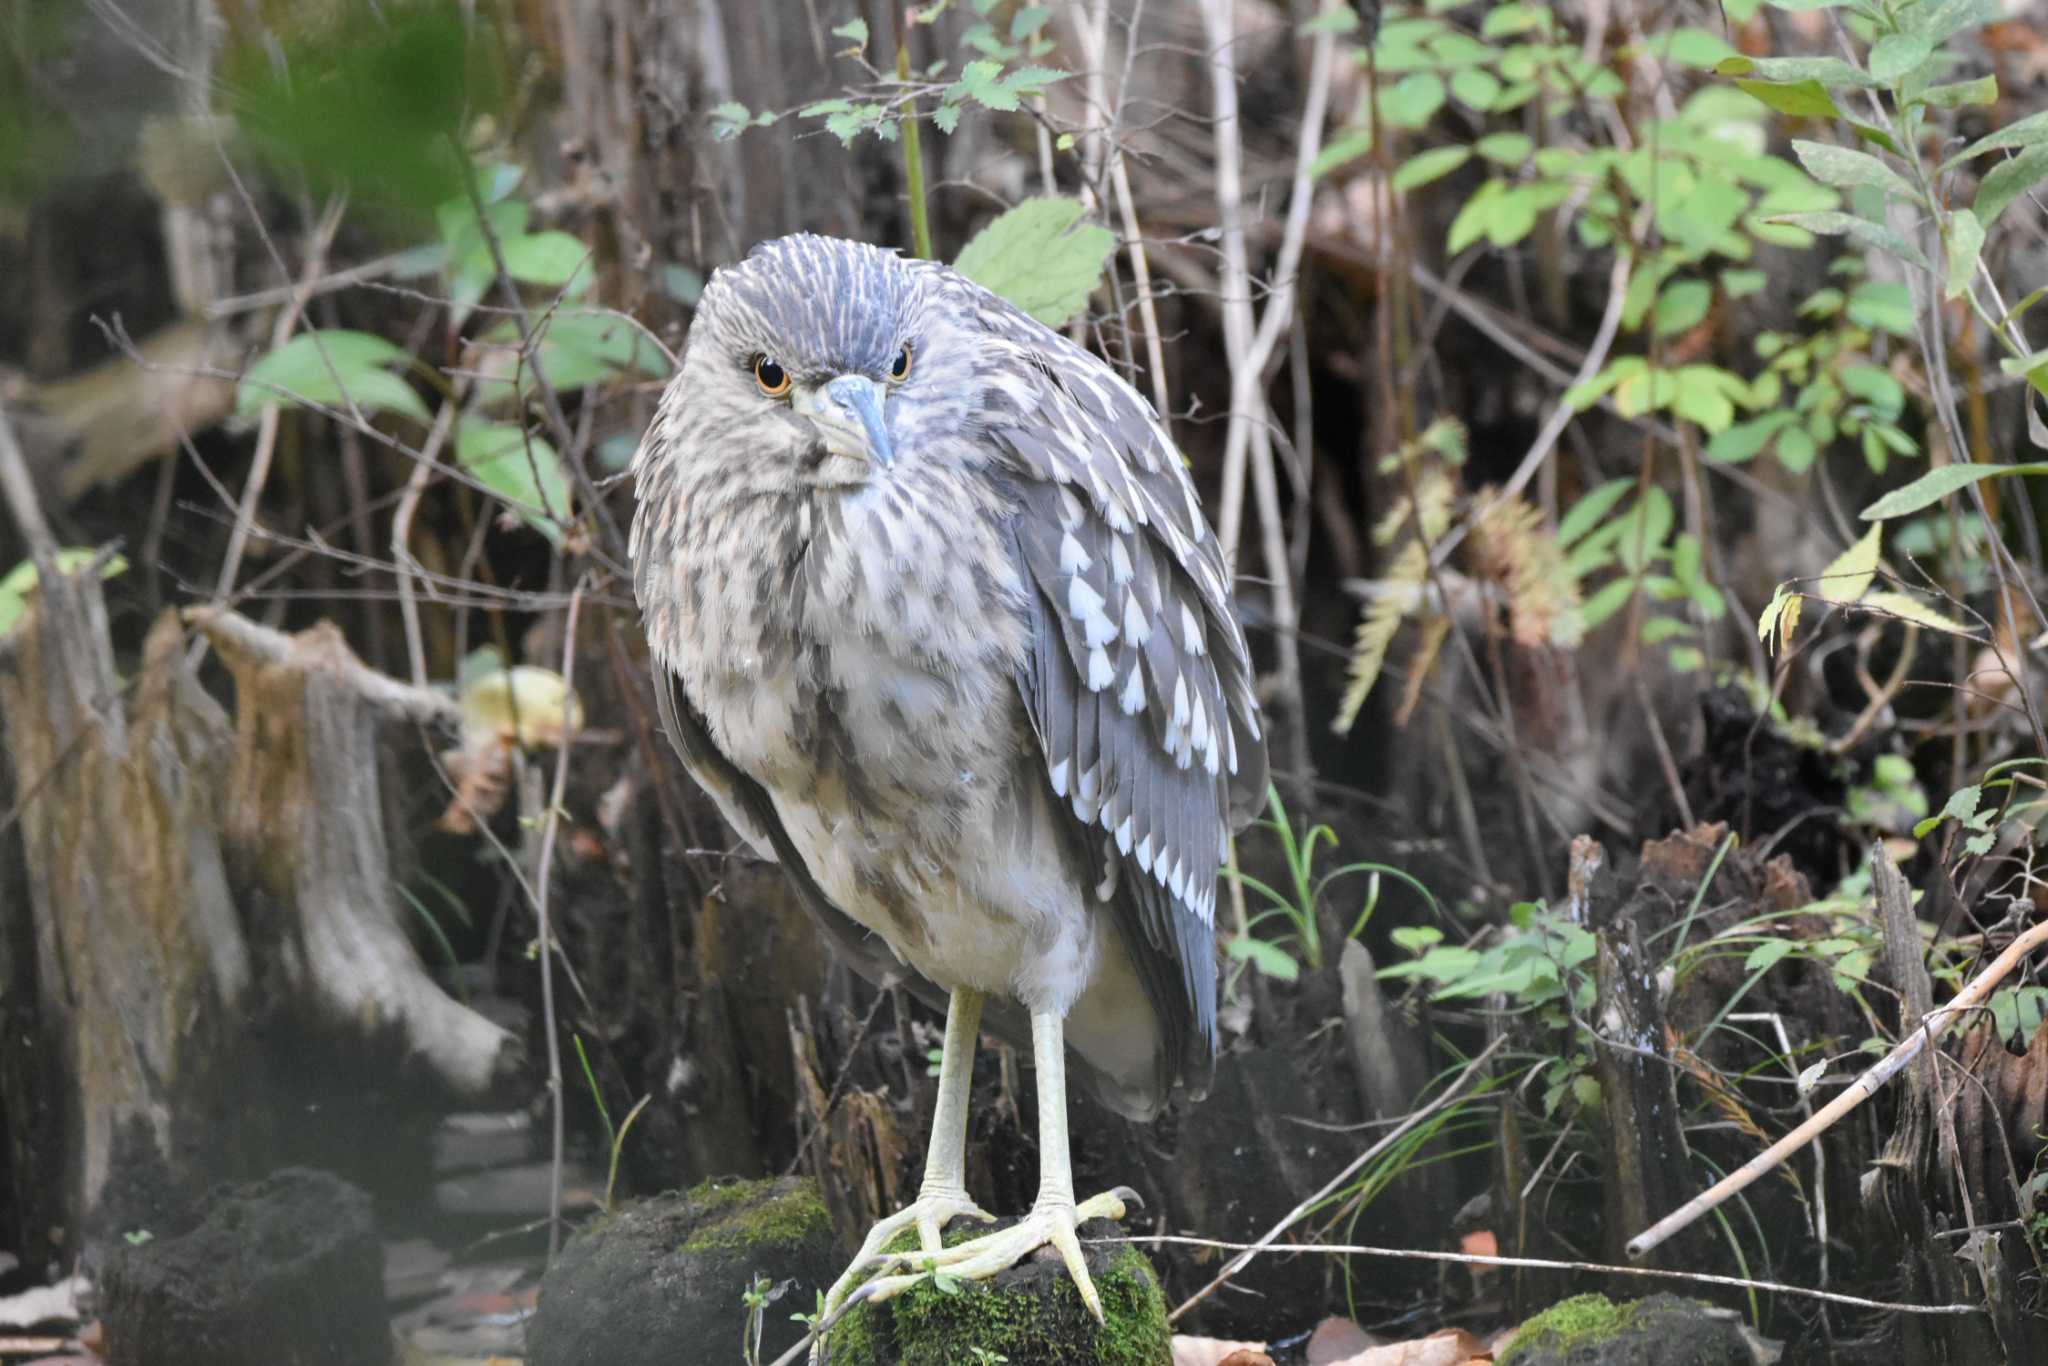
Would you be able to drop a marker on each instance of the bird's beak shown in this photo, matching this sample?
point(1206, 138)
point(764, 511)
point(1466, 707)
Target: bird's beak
point(849, 408)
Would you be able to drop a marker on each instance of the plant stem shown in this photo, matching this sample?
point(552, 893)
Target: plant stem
point(913, 152)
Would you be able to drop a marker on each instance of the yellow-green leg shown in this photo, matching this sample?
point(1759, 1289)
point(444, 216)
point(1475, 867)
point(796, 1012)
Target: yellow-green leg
point(943, 1195)
point(1054, 1214)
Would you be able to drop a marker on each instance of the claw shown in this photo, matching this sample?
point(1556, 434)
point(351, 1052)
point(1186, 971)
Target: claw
point(928, 1215)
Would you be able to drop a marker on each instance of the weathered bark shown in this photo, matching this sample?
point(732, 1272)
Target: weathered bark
point(306, 833)
point(1911, 1192)
point(137, 968)
point(180, 877)
point(1650, 1166)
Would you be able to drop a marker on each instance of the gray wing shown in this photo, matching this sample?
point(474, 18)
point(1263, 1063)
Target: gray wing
point(751, 811)
point(1138, 681)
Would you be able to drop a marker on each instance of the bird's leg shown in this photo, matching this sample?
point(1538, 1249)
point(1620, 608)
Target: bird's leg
point(1054, 1215)
point(943, 1194)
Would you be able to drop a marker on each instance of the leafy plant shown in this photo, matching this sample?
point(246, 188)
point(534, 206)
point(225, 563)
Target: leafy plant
point(1302, 944)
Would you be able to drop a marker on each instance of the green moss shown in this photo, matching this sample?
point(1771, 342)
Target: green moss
point(747, 1214)
point(1579, 1321)
point(1028, 1315)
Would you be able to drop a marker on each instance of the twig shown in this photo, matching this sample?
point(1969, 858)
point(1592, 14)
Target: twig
point(401, 534)
point(1546, 1264)
point(273, 410)
point(549, 827)
point(1094, 32)
point(1247, 1251)
point(1250, 345)
point(1865, 1086)
point(20, 492)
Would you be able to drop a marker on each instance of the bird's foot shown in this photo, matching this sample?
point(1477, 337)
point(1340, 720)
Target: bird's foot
point(928, 1214)
point(1050, 1224)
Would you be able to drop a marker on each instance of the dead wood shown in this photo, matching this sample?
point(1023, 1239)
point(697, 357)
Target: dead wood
point(1650, 1168)
point(305, 825)
point(138, 968)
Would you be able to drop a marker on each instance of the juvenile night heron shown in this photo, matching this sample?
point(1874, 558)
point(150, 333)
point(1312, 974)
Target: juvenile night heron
point(938, 623)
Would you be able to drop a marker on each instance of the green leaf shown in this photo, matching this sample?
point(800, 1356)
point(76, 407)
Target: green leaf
point(1807, 99)
point(1411, 101)
point(1437, 162)
point(577, 350)
point(1965, 243)
point(1768, 955)
point(1471, 221)
point(1863, 230)
point(1847, 168)
point(1746, 440)
point(1682, 306)
point(1740, 284)
point(854, 31)
point(1936, 484)
point(521, 469)
point(1828, 71)
point(1961, 805)
point(1269, 958)
point(544, 258)
point(1506, 149)
point(2034, 367)
point(1587, 512)
point(1610, 599)
point(2030, 131)
point(1897, 55)
point(15, 587)
point(2007, 181)
point(1796, 449)
point(1041, 257)
point(1957, 94)
point(1475, 88)
point(317, 367)
point(1882, 305)
point(1348, 146)
point(1849, 577)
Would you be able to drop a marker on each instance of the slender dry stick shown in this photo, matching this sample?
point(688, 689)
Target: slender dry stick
point(1247, 1251)
point(1546, 1264)
point(1250, 342)
point(20, 491)
point(273, 410)
point(1865, 1086)
point(1095, 39)
point(401, 534)
point(549, 826)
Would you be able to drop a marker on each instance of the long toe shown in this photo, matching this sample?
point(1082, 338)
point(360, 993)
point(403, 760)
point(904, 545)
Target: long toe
point(928, 1215)
point(1048, 1225)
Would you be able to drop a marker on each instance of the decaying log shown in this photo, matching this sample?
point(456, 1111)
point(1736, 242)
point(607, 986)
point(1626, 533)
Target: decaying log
point(182, 874)
point(305, 825)
point(1651, 1166)
point(138, 968)
point(1919, 1189)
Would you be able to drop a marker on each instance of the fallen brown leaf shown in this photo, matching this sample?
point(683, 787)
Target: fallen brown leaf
point(1335, 1339)
point(1198, 1351)
point(1451, 1347)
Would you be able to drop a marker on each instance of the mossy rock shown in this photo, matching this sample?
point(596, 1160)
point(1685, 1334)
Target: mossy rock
point(663, 1280)
point(1660, 1330)
point(1029, 1315)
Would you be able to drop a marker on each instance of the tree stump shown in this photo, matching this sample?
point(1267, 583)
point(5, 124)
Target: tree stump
point(183, 875)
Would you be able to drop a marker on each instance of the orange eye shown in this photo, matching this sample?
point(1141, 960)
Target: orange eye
point(899, 370)
point(773, 379)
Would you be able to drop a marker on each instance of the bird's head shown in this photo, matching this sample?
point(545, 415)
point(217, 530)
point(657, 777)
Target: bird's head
point(812, 362)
